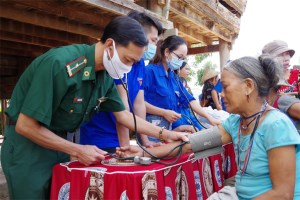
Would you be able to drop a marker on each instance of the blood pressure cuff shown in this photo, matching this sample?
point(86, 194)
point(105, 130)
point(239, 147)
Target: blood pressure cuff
point(206, 142)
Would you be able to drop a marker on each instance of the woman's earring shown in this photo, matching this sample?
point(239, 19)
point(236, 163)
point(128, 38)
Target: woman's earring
point(248, 98)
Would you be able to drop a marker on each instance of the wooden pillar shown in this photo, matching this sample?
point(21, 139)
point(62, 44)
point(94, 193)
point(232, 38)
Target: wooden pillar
point(3, 117)
point(169, 32)
point(166, 9)
point(155, 7)
point(224, 51)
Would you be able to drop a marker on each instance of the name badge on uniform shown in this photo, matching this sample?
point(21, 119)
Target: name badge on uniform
point(76, 65)
point(78, 100)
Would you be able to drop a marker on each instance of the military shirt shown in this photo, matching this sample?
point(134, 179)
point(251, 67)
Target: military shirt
point(60, 89)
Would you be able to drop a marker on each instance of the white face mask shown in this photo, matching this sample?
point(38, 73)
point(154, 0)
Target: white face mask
point(174, 63)
point(113, 65)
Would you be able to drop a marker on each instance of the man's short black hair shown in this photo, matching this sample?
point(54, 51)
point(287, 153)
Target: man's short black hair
point(146, 20)
point(123, 30)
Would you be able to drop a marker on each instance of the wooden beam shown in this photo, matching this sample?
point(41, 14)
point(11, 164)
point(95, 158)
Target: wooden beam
point(54, 22)
point(9, 36)
point(193, 34)
point(217, 12)
point(67, 10)
point(7, 71)
point(14, 52)
point(123, 7)
point(9, 80)
point(23, 47)
point(42, 32)
point(238, 5)
point(191, 16)
point(204, 49)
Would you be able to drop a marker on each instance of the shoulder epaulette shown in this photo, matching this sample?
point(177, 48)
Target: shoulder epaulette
point(76, 65)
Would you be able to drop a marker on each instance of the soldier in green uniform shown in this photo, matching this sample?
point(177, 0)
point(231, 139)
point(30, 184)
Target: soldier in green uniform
point(57, 92)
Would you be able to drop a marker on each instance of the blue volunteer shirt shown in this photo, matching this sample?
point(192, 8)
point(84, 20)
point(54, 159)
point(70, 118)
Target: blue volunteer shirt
point(101, 129)
point(165, 90)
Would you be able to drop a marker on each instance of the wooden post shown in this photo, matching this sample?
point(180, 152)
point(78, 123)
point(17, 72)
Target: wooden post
point(155, 7)
point(3, 116)
point(224, 49)
point(169, 32)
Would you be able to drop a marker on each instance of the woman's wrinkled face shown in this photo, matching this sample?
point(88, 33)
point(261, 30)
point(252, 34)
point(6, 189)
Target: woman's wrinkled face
point(234, 92)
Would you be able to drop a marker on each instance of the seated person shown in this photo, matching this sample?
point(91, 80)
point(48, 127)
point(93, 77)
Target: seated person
point(165, 95)
point(210, 97)
point(267, 148)
point(286, 103)
point(218, 88)
point(183, 73)
point(280, 50)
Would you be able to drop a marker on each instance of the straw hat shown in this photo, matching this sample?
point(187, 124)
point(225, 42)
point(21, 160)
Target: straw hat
point(209, 73)
point(277, 47)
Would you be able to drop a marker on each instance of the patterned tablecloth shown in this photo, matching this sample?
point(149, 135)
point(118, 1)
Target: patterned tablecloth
point(187, 179)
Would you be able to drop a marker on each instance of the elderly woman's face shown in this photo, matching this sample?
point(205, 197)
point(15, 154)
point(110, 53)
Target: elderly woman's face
point(234, 91)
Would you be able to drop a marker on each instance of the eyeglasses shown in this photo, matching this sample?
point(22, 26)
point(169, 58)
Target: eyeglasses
point(179, 57)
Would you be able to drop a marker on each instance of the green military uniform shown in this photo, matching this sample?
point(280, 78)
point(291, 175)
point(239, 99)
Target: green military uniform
point(60, 89)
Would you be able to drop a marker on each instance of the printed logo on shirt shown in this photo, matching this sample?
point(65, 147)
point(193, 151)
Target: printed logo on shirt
point(140, 80)
point(78, 100)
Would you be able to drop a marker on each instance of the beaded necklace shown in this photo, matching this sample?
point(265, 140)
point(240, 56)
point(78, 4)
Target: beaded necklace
point(249, 148)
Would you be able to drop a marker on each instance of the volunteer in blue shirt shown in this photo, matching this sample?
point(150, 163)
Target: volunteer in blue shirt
point(113, 135)
point(167, 101)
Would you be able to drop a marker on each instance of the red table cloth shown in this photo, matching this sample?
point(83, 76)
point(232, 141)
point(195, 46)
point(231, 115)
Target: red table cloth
point(187, 179)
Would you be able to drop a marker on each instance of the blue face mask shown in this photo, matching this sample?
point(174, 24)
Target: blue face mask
point(149, 54)
point(175, 63)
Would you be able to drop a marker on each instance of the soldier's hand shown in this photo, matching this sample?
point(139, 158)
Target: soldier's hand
point(89, 154)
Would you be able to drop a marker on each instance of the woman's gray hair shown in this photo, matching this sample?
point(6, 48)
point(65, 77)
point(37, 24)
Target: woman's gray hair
point(264, 71)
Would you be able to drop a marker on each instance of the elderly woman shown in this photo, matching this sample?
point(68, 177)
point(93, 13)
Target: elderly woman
point(266, 142)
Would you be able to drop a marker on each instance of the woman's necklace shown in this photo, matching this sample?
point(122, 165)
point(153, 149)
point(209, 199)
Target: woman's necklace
point(245, 127)
point(249, 148)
